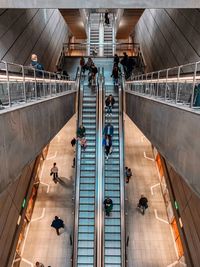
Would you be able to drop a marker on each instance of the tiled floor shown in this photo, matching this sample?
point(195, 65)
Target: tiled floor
point(150, 238)
point(42, 243)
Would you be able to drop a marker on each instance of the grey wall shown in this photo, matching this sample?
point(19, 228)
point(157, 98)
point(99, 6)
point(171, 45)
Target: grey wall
point(176, 139)
point(26, 131)
point(99, 4)
point(169, 37)
point(27, 31)
point(189, 211)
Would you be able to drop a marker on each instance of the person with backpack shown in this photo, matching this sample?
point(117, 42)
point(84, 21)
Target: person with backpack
point(143, 204)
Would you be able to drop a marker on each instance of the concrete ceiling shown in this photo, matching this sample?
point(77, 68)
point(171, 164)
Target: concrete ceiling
point(127, 22)
point(99, 4)
point(75, 22)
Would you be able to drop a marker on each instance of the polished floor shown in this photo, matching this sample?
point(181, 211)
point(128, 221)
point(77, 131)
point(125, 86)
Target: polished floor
point(42, 243)
point(150, 238)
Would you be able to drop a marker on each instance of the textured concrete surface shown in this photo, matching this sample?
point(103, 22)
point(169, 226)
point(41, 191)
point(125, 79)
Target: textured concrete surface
point(99, 4)
point(169, 37)
point(27, 31)
point(173, 131)
point(26, 131)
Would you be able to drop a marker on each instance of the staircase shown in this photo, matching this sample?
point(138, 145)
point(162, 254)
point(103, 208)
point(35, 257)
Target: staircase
point(108, 38)
point(94, 31)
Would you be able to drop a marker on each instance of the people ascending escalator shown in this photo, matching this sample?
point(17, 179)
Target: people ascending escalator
point(142, 205)
point(107, 20)
point(108, 205)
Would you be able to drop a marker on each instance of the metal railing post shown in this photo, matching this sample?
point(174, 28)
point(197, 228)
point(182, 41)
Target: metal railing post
point(24, 83)
point(43, 83)
point(177, 85)
point(8, 85)
point(35, 81)
point(151, 84)
point(157, 87)
point(50, 84)
point(166, 83)
point(194, 84)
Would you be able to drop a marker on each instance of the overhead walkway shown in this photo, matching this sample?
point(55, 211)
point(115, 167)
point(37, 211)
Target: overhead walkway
point(165, 105)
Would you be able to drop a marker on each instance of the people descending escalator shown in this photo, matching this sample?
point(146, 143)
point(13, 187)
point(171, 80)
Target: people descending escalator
point(108, 145)
point(81, 131)
point(108, 129)
point(116, 59)
point(115, 74)
point(108, 206)
point(92, 75)
point(107, 20)
point(110, 101)
point(142, 205)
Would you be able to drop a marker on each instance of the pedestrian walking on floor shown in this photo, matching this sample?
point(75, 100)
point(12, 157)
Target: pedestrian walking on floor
point(39, 264)
point(54, 172)
point(128, 174)
point(57, 223)
point(142, 205)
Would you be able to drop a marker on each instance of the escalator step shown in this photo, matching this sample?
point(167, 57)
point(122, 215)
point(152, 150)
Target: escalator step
point(86, 221)
point(86, 236)
point(87, 229)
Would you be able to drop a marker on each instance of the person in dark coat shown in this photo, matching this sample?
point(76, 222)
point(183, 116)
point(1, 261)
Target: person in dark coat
point(36, 65)
point(128, 174)
point(81, 131)
point(116, 59)
point(108, 145)
point(107, 20)
point(57, 223)
point(110, 101)
point(143, 204)
point(108, 205)
point(115, 74)
point(108, 129)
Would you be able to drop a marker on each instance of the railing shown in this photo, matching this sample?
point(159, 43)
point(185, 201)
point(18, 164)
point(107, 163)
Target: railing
point(81, 49)
point(179, 85)
point(21, 84)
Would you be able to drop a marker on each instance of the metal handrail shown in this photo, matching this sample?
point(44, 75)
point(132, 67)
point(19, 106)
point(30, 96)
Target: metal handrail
point(122, 187)
point(21, 84)
point(99, 176)
point(122, 159)
point(177, 85)
point(79, 107)
point(103, 163)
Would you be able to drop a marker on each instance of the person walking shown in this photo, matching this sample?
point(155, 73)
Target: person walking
point(57, 223)
point(142, 205)
point(107, 20)
point(54, 172)
point(128, 174)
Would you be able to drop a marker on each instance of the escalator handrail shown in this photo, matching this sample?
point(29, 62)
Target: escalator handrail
point(99, 176)
point(79, 103)
point(122, 158)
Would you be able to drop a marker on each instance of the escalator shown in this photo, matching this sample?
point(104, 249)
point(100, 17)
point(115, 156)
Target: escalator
point(84, 231)
point(113, 187)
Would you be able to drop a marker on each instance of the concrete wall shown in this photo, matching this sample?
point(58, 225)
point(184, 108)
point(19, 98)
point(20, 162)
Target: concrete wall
point(39, 31)
point(173, 131)
point(189, 211)
point(26, 131)
point(99, 4)
point(11, 207)
point(169, 37)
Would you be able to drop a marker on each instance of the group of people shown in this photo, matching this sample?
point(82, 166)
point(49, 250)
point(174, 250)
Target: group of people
point(91, 68)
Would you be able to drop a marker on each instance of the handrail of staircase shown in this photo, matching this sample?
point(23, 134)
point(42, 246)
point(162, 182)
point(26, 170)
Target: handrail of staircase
point(21, 84)
point(121, 154)
point(79, 107)
point(178, 85)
